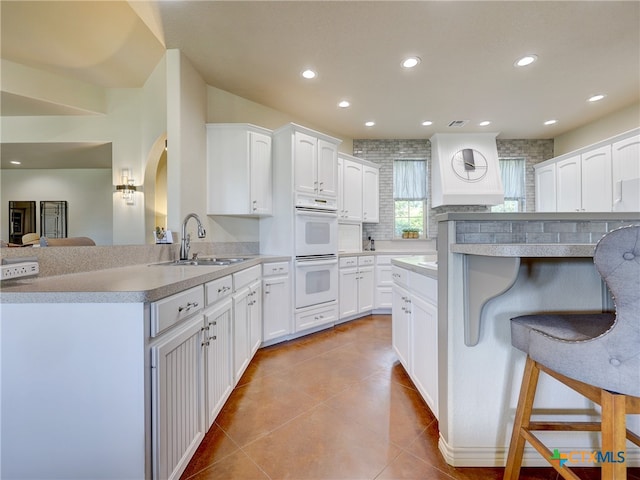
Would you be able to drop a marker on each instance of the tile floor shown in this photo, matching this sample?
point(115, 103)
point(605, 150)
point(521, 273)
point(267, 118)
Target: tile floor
point(332, 405)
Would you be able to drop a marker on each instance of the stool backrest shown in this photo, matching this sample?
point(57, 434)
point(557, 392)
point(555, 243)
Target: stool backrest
point(617, 259)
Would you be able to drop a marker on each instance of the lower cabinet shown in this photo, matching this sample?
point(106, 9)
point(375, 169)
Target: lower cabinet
point(356, 285)
point(415, 330)
point(178, 424)
point(218, 368)
point(276, 298)
point(247, 318)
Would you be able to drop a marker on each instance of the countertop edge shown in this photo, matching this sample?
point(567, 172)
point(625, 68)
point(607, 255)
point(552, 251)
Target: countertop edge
point(524, 249)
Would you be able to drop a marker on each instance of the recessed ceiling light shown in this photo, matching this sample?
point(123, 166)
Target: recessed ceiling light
point(526, 60)
point(485, 123)
point(426, 123)
point(550, 122)
point(410, 62)
point(369, 124)
point(309, 74)
point(596, 98)
point(15, 162)
point(344, 104)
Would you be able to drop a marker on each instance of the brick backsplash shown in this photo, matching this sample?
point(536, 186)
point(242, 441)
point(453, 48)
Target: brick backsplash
point(535, 231)
point(384, 152)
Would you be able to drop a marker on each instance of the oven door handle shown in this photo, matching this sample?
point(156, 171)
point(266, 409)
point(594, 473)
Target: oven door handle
point(315, 263)
point(316, 213)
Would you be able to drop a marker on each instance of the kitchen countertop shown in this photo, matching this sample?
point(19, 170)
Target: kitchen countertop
point(422, 264)
point(525, 249)
point(130, 284)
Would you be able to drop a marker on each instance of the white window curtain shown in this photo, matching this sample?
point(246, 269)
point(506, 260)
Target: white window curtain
point(409, 179)
point(512, 172)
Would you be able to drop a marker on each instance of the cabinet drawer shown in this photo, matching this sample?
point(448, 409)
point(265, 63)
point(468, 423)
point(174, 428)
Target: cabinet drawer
point(425, 287)
point(276, 268)
point(366, 260)
point(245, 277)
point(218, 289)
point(383, 275)
point(400, 275)
point(172, 310)
point(316, 316)
point(346, 262)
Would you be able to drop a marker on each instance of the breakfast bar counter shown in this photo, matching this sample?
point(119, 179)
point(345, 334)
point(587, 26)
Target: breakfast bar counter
point(491, 268)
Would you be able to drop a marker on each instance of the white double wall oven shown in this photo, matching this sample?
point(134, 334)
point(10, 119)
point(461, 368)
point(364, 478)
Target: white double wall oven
point(316, 249)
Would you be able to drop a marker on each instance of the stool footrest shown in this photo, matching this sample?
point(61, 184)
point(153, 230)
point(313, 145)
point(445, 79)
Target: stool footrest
point(566, 426)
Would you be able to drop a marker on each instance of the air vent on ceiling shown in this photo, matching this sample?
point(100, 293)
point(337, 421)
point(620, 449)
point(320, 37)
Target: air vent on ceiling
point(458, 123)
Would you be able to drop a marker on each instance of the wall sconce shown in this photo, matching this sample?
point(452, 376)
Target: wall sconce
point(127, 187)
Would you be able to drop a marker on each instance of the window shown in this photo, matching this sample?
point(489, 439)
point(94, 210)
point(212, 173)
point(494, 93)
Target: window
point(512, 173)
point(409, 197)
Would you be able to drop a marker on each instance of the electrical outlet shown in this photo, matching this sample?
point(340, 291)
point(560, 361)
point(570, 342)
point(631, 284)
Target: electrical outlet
point(18, 270)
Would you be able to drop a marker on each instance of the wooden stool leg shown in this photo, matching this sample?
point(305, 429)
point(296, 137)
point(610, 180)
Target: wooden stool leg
point(522, 419)
point(614, 434)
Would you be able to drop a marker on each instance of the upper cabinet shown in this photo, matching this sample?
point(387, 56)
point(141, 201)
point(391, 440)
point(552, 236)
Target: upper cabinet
point(357, 190)
point(349, 189)
point(315, 166)
point(370, 194)
point(625, 161)
point(601, 178)
point(239, 172)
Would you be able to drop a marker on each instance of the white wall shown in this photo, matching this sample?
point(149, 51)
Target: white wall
point(618, 122)
point(84, 218)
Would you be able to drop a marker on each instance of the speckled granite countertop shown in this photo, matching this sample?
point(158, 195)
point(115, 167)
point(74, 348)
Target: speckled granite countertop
point(524, 249)
point(134, 283)
point(422, 264)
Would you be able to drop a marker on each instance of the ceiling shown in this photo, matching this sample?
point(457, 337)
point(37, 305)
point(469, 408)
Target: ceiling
point(55, 154)
point(257, 50)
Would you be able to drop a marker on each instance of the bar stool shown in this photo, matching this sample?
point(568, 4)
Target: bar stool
point(597, 355)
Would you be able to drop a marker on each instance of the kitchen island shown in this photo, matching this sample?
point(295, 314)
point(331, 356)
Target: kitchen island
point(492, 267)
point(86, 360)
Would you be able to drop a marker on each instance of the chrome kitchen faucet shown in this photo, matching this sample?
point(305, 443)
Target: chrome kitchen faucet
point(185, 239)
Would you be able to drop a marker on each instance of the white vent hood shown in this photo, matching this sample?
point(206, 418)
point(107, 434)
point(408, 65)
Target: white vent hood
point(465, 169)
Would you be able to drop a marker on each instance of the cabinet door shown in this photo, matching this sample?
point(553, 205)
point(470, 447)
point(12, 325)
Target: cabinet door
point(240, 332)
point(351, 189)
point(546, 188)
point(218, 363)
point(365, 289)
point(177, 399)
point(348, 292)
point(625, 159)
point(569, 184)
point(370, 195)
point(305, 163)
point(255, 317)
point(260, 146)
point(400, 318)
point(424, 351)
point(327, 174)
point(276, 309)
point(596, 180)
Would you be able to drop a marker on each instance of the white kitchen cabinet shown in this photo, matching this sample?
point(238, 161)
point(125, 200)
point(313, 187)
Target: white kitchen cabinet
point(349, 189)
point(315, 316)
point(584, 181)
point(356, 285)
point(276, 298)
point(401, 324)
point(370, 194)
point(315, 166)
point(384, 281)
point(545, 183)
point(415, 330)
point(255, 317)
point(177, 398)
point(239, 170)
point(625, 160)
point(568, 186)
point(218, 368)
point(246, 285)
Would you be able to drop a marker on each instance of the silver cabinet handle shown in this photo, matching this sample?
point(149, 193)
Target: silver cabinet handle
point(188, 306)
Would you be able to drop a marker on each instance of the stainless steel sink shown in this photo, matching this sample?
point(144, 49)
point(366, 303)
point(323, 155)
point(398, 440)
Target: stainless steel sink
point(207, 261)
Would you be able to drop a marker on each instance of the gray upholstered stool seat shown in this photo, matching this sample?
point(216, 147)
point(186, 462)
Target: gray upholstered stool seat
point(596, 354)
